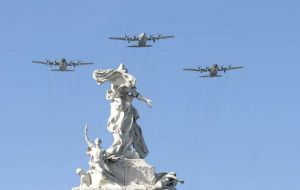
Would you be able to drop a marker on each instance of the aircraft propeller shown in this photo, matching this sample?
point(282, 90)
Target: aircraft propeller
point(153, 38)
point(78, 63)
point(223, 68)
point(199, 69)
point(127, 38)
point(136, 36)
point(48, 62)
point(72, 63)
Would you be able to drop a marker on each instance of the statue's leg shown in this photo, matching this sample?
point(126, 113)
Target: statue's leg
point(139, 142)
point(116, 146)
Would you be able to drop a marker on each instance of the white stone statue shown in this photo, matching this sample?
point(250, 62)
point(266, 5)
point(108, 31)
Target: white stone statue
point(98, 161)
point(85, 179)
point(123, 119)
point(122, 165)
point(94, 151)
point(167, 181)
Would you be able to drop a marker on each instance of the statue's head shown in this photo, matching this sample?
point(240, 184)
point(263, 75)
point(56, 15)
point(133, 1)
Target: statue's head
point(79, 171)
point(172, 173)
point(122, 68)
point(98, 141)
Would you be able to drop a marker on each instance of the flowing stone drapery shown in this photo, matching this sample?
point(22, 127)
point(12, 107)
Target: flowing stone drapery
point(122, 122)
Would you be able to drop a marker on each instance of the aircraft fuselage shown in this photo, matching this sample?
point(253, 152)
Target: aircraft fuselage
point(214, 70)
point(63, 65)
point(142, 39)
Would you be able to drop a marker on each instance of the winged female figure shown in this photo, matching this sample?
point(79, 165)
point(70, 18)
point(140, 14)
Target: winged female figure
point(127, 134)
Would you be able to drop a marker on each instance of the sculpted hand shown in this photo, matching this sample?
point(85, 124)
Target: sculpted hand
point(149, 103)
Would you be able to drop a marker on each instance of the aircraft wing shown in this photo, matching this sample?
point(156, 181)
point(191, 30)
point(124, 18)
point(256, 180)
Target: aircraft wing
point(230, 68)
point(77, 63)
point(166, 37)
point(86, 63)
point(237, 67)
point(45, 62)
point(126, 38)
point(117, 38)
point(199, 69)
point(158, 37)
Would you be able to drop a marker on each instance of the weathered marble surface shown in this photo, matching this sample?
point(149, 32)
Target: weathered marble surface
point(135, 174)
point(122, 122)
point(122, 165)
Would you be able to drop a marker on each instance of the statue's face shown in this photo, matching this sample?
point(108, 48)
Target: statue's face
point(79, 171)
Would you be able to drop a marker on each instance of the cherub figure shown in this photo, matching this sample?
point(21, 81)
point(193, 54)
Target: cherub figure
point(97, 155)
point(85, 179)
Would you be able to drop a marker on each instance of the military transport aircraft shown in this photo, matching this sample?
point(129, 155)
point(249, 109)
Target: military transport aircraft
point(213, 70)
point(141, 39)
point(63, 64)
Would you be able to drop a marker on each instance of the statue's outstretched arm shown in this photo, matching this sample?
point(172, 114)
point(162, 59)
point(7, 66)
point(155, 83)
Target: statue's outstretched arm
point(86, 136)
point(140, 97)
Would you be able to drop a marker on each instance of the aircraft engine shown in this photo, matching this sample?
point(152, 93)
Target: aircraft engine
point(75, 64)
point(223, 69)
point(127, 38)
point(200, 69)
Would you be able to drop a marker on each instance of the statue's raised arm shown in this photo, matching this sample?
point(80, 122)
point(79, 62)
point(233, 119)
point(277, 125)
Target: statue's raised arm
point(137, 95)
point(87, 140)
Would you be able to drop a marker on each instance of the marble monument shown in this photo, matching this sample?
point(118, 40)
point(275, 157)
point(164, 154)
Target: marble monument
point(122, 165)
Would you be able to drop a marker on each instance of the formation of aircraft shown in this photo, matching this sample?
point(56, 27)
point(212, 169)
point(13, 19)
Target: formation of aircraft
point(141, 39)
point(63, 64)
point(213, 70)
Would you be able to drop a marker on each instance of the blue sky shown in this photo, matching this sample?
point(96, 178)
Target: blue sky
point(240, 131)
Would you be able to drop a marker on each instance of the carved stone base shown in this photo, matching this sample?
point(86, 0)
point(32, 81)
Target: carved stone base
point(134, 174)
point(129, 174)
point(134, 171)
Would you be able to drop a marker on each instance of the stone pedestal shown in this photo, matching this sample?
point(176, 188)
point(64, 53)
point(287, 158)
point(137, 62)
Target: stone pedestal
point(134, 174)
point(134, 171)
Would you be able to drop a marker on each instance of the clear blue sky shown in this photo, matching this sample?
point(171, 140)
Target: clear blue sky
point(237, 132)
